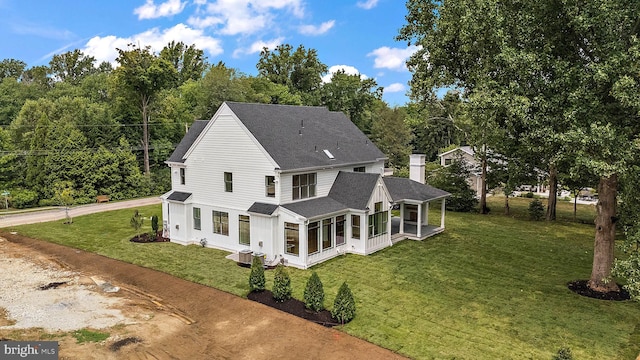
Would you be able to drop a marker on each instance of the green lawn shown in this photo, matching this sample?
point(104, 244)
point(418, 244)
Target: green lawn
point(489, 287)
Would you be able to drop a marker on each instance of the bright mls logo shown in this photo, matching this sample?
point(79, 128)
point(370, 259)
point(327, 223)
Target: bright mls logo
point(33, 350)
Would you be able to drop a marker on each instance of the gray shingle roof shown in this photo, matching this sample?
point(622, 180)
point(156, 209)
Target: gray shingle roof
point(407, 189)
point(315, 207)
point(353, 189)
point(186, 142)
point(179, 196)
point(295, 136)
point(262, 208)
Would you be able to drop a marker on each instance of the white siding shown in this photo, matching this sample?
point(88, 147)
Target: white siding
point(177, 222)
point(381, 241)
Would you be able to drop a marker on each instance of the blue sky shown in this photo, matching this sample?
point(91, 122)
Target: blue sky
point(356, 35)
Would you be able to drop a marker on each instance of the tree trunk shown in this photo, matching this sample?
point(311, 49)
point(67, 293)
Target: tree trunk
point(603, 249)
point(506, 204)
point(575, 204)
point(483, 183)
point(553, 193)
point(145, 135)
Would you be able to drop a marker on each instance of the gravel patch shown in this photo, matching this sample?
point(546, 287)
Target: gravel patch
point(68, 306)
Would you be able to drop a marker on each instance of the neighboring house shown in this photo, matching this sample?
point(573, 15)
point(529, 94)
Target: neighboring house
point(294, 184)
point(467, 154)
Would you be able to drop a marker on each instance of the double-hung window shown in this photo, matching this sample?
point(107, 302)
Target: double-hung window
point(183, 176)
point(228, 182)
point(304, 186)
point(197, 224)
point(220, 222)
point(245, 229)
point(270, 186)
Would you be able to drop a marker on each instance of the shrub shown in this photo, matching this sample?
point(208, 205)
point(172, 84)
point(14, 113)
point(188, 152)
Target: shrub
point(344, 306)
point(529, 195)
point(136, 221)
point(281, 284)
point(536, 210)
point(314, 293)
point(154, 226)
point(256, 278)
point(23, 199)
point(563, 354)
point(453, 179)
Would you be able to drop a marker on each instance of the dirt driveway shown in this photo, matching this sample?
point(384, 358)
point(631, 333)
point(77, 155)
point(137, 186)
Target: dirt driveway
point(177, 319)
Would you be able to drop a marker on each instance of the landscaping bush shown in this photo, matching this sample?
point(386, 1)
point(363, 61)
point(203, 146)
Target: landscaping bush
point(563, 354)
point(256, 278)
point(314, 293)
point(136, 221)
point(536, 210)
point(154, 226)
point(344, 306)
point(22, 199)
point(529, 195)
point(281, 284)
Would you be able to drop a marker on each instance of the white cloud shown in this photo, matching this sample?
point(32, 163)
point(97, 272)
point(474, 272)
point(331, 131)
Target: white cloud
point(395, 87)
point(350, 70)
point(104, 48)
point(244, 17)
point(44, 31)
point(369, 4)
point(317, 30)
point(151, 11)
point(257, 46)
point(392, 58)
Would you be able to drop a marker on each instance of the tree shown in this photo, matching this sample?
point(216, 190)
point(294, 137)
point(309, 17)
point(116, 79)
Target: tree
point(314, 293)
point(573, 61)
point(300, 70)
point(136, 221)
point(344, 306)
point(256, 277)
point(453, 179)
point(143, 74)
point(11, 68)
point(281, 284)
point(188, 61)
point(72, 66)
point(391, 134)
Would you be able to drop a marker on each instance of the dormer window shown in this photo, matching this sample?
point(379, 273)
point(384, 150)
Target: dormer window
point(304, 186)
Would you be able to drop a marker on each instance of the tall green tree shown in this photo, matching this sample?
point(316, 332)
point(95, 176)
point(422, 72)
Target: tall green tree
point(570, 59)
point(72, 66)
point(189, 61)
point(142, 74)
point(391, 134)
point(11, 68)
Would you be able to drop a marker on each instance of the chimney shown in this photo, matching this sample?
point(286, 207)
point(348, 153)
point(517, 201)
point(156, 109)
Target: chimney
point(416, 167)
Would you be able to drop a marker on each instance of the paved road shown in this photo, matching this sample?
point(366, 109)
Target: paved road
point(59, 214)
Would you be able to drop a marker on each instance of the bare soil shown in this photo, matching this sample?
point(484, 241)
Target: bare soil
point(178, 319)
point(581, 287)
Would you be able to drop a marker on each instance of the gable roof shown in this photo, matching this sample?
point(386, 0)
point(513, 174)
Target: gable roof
point(468, 149)
point(296, 136)
point(262, 208)
point(179, 196)
point(407, 189)
point(194, 131)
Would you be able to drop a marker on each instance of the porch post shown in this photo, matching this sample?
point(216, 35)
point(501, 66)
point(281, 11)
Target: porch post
point(401, 218)
point(419, 229)
point(426, 212)
point(442, 213)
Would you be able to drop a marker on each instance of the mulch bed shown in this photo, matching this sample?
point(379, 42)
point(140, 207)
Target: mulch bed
point(581, 287)
point(294, 307)
point(146, 238)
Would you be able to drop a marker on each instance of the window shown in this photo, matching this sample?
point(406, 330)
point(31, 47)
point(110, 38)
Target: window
point(360, 169)
point(447, 161)
point(270, 185)
point(228, 182)
point(304, 186)
point(340, 230)
point(183, 177)
point(355, 227)
point(245, 229)
point(378, 221)
point(291, 233)
point(313, 237)
point(327, 233)
point(196, 218)
point(220, 222)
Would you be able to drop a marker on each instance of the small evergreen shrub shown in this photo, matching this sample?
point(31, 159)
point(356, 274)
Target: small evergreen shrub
point(256, 278)
point(136, 221)
point(344, 306)
point(563, 354)
point(154, 223)
point(314, 293)
point(281, 284)
point(536, 210)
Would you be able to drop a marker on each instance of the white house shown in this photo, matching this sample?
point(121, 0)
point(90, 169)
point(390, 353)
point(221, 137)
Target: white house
point(294, 184)
point(466, 154)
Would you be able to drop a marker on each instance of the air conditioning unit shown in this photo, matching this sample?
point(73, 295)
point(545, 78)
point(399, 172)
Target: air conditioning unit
point(245, 256)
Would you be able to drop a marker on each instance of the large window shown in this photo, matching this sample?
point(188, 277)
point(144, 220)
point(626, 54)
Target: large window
point(270, 186)
point(339, 230)
point(292, 236)
point(220, 222)
point(359, 169)
point(327, 233)
point(313, 237)
point(378, 221)
point(228, 182)
point(304, 186)
point(355, 227)
point(245, 229)
point(183, 176)
point(196, 218)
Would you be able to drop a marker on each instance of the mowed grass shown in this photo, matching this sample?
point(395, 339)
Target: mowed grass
point(489, 287)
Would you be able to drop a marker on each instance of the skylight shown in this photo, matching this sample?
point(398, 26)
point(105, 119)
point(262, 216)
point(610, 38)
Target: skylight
point(329, 154)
